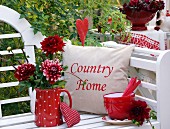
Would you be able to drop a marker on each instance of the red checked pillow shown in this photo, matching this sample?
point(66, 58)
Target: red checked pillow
point(103, 69)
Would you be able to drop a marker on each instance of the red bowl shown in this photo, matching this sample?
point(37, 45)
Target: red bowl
point(117, 106)
point(139, 19)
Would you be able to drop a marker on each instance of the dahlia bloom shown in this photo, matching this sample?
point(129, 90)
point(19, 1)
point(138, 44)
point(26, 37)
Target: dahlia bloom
point(133, 2)
point(145, 5)
point(51, 70)
point(52, 44)
point(139, 112)
point(24, 71)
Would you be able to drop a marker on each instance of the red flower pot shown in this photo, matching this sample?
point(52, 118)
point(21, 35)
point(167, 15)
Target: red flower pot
point(47, 111)
point(139, 19)
point(117, 106)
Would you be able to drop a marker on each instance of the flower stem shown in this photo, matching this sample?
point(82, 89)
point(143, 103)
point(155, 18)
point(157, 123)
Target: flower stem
point(25, 55)
point(150, 124)
point(73, 75)
point(7, 61)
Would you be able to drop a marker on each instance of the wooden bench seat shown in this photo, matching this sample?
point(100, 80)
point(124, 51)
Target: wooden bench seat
point(26, 121)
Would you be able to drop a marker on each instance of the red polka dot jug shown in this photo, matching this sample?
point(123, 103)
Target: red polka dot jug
point(47, 107)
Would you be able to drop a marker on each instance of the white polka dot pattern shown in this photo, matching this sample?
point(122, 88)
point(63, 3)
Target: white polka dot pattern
point(47, 111)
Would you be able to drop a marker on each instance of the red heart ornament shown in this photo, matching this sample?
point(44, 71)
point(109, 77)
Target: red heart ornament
point(82, 28)
point(71, 116)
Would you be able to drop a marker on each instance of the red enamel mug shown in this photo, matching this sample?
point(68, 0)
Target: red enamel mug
point(117, 106)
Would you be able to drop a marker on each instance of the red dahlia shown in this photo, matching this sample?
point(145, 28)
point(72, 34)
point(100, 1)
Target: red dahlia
point(139, 111)
point(133, 2)
point(24, 71)
point(52, 44)
point(52, 70)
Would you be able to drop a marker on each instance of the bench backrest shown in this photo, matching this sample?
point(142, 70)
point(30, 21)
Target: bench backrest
point(25, 32)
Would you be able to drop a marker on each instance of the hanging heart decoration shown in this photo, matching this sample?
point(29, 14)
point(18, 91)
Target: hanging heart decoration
point(71, 116)
point(82, 29)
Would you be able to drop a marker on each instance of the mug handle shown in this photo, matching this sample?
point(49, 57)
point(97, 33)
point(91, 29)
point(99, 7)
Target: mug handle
point(69, 96)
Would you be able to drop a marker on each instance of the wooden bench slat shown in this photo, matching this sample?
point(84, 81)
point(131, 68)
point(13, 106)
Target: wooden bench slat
point(16, 51)
point(20, 126)
point(148, 85)
point(7, 36)
point(88, 116)
point(131, 126)
point(143, 64)
point(16, 120)
point(17, 115)
point(147, 100)
point(156, 124)
point(100, 125)
point(97, 125)
point(21, 121)
point(21, 99)
point(9, 84)
point(7, 68)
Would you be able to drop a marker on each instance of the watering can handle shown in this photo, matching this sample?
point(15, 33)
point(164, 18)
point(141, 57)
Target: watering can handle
point(69, 96)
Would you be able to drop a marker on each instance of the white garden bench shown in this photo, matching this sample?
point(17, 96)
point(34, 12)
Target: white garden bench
point(159, 64)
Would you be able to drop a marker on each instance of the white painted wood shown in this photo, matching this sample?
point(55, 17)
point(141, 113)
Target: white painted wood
point(147, 100)
point(84, 124)
point(0, 111)
point(148, 95)
point(168, 35)
point(87, 116)
point(12, 17)
point(148, 85)
point(163, 83)
point(145, 126)
point(15, 120)
point(20, 126)
point(16, 51)
point(7, 68)
point(9, 84)
point(20, 99)
point(29, 50)
point(17, 115)
point(7, 36)
point(29, 38)
point(143, 63)
point(98, 125)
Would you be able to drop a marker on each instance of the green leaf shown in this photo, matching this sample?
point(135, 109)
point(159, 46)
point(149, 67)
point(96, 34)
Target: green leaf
point(22, 16)
point(65, 68)
point(21, 89)
point(37, 81)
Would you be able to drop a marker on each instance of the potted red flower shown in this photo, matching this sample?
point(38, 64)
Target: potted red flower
point(140, 12)
point(45, 78)
point(139, 112)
